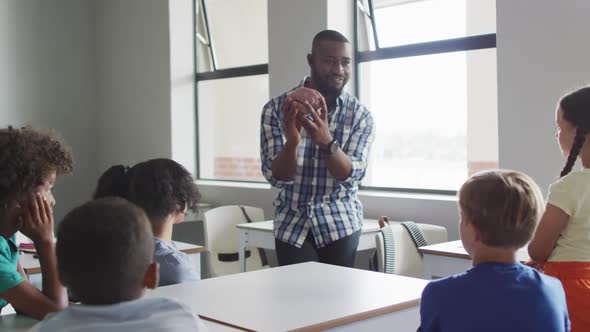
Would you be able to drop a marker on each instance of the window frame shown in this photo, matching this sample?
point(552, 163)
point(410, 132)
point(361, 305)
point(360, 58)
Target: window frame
point(233, 72)
point(461, 44)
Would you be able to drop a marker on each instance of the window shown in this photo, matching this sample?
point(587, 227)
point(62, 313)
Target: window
point(232, 86)
point(427, 71)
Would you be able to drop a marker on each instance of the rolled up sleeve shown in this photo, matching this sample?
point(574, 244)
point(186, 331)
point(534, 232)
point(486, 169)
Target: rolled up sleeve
point(358, 147)
point(271, 141)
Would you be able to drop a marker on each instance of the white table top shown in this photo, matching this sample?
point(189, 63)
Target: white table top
point(31, 264)
point(455, 249)
point(302, 296)
point(369, 226)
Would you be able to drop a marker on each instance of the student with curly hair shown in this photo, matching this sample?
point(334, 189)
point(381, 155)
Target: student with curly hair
point(165, 190)
point(30, 161)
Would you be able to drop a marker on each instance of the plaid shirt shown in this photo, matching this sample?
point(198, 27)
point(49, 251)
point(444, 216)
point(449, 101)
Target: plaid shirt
point(313, 199)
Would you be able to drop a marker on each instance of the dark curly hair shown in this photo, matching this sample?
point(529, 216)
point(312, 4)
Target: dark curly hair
point(576, 110)
point(27, 156)
point(159, 186)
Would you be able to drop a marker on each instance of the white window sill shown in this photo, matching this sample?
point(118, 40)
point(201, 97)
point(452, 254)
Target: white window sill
point(407, 195)
point(233, 184)
point(361, 193)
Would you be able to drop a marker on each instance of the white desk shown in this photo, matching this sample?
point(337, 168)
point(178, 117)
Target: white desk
point(260, 235)
point(448, 258)
point(305, 297)
point(32, 266)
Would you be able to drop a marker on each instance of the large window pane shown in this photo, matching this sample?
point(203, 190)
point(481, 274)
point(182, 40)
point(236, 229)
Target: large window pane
point(436, 118)
point(229, 127)
point(238, 31)
point(402, 22)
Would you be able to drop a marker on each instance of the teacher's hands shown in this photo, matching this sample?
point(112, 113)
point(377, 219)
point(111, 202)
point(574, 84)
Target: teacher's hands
point(290, 123)
point(316, 124)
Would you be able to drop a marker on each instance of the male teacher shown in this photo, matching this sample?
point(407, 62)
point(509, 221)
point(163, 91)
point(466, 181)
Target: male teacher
point(317, 156)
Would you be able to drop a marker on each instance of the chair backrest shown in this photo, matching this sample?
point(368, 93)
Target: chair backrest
point(408, 262)
point(221, 235)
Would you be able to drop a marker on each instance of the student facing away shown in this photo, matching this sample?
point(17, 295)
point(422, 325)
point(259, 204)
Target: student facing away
point(561, 244)
point(30, 161)
point(499, 212)
point(165, 191)
point(105, 256)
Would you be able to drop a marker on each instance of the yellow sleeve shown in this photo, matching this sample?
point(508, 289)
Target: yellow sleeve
point(562, 195)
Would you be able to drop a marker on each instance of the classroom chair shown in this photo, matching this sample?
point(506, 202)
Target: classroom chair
point(222, 240)
point(406, 260)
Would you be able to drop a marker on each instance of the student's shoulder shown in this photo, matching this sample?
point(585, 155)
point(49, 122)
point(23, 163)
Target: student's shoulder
point(544, 285)
point(573, 179)
point(549, 283)
point(448, 285)
point(171, 256)
point(167, 308)
point(6, 246)
point(162, 304)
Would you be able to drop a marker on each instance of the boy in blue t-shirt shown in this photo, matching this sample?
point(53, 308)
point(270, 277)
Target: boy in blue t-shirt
point(499, 212)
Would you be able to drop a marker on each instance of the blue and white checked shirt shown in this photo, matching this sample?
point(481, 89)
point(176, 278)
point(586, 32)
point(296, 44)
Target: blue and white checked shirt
point(314, 199)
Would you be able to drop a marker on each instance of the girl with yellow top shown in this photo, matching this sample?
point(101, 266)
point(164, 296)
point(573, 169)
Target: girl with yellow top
point(561, 243)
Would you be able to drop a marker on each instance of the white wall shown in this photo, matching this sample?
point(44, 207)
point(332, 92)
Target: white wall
point(291, 27)
point(48, 80)
point(482, 94)
point(133, 70)
point(542, 54)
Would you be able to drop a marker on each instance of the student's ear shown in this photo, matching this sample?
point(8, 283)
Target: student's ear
point(152, 276)
point(476, 233)
point(309, 59)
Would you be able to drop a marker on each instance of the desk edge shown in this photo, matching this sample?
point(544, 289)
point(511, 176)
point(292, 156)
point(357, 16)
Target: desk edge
point(443, 253)
point(32, 270)
point(225, 323)
point(359, 317)
point(194, 250)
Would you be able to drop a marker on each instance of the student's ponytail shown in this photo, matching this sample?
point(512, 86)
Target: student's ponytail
point(576, 110)
point(113, 182)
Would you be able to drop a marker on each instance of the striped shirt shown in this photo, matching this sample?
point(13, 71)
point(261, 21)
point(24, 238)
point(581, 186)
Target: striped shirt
point(313, 199)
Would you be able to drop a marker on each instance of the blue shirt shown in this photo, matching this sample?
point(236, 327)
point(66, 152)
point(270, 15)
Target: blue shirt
point(175, 266)
point(9, 276)
point(495, 297)
point(313, 199)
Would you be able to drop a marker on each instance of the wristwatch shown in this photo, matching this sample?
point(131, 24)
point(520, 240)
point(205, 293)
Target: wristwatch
point(332, 147)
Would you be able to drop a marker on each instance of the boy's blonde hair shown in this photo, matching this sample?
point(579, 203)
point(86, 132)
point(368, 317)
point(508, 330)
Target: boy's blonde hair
point(504, 205)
